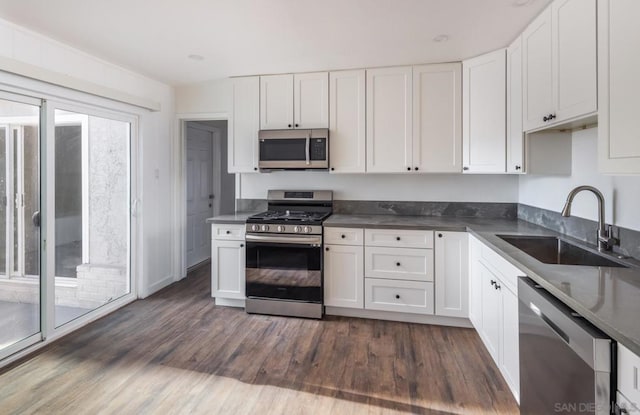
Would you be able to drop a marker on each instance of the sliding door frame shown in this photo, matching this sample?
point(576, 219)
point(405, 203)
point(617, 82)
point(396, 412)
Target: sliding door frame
point(31, 91)
point(48, 223)
point(9, 264)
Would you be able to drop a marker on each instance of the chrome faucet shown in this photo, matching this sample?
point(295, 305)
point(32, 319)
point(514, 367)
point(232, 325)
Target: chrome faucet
point(605, 238)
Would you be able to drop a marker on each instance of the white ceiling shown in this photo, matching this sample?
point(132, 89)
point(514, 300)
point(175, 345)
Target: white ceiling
point(245, 37)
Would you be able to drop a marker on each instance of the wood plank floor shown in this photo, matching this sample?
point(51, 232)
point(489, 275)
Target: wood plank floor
point(176, 352)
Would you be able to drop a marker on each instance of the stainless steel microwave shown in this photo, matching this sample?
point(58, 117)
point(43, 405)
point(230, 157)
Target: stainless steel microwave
point(293, 149)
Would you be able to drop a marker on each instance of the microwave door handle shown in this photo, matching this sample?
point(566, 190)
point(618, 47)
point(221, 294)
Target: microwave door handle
point(307, 147)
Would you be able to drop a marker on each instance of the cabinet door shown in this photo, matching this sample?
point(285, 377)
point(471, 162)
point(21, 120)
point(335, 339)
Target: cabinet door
point(510, 361)
point(228, 269)
point(347, 127)
point(475, 284)
point(311, 100)
point(437, 118)
point(276, 102)
point(484, 113)
point(515, 135)
point(574, 58)
point(537, 71)
point(344, 276)
point(452, 274)
point(619, 86)
point(491, 313)
point(389, 118)
point(242, 149)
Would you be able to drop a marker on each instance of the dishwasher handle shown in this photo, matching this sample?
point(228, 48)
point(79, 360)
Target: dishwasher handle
point(553, 326)
point(587, 341)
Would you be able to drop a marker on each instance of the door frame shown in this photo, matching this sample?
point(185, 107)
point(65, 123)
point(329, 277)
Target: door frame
point(214, 136)
point(179, 190)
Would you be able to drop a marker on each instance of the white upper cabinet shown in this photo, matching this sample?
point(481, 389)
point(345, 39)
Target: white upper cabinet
point(515, 134)
point(294, 101)
point(537, 71)
point(389, 117)
point(574, 58)
point(347, 126)
point(484, 113)
point(619, 86)
point(276, 102)
point(242, 150)
point(559, 64)
point(437, 119)
point(311, 100)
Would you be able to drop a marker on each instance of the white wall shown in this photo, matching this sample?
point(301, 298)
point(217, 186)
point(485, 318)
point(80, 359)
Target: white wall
point(409, 187)
point(155, 129)
point(622, 193)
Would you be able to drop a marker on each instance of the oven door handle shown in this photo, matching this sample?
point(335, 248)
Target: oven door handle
point(298, 240)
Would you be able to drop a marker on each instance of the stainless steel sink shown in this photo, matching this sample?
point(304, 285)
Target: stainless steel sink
point(553, 250)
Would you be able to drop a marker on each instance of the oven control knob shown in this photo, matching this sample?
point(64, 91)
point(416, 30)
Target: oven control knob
point(265, 228)
point(255, 228)
point(280, 228)
point(297, 229)
point(307, 229)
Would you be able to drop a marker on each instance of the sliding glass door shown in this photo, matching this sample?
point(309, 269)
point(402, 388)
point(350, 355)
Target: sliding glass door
point(92, 205)
point(20, 284)
point(65, 246)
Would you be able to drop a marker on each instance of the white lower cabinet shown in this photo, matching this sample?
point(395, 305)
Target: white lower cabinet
point(491, 313)
point(398, 295)
point(451, 251)
point(510, 346)
point(344, 276)
point(475, 284)
point(494, 309)
point(629, 375)
point(228, 262)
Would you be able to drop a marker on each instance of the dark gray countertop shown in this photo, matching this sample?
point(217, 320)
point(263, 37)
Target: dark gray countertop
point(237, 218)
point(607, 297)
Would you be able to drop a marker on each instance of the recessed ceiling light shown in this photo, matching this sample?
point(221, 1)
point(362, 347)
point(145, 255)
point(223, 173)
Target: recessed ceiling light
point(441, 38)
point(520, 3)
point(195, 57)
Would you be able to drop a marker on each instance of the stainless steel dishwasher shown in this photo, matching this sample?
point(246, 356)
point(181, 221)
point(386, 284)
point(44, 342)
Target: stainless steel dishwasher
point(565, 362)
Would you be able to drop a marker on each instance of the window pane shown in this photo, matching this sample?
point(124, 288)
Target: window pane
point(92, 213)
point(19, 239)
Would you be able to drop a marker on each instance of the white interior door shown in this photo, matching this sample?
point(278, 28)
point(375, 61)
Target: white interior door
point(199, 193)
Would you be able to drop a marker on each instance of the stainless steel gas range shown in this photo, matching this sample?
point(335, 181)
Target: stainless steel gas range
point(284, 254)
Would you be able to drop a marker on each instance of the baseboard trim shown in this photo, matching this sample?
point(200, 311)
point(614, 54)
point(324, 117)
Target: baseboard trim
point(402, 317)
point(157, 286)
point(229, 302)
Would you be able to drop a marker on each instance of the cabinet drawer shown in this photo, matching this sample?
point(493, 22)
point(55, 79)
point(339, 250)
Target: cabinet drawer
point(398, 238)
point(507, 273)
point(627, 405)
point(228, 232)
point(398, 263)
point(629, 374)
point(402, 296)
point(343, 236)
